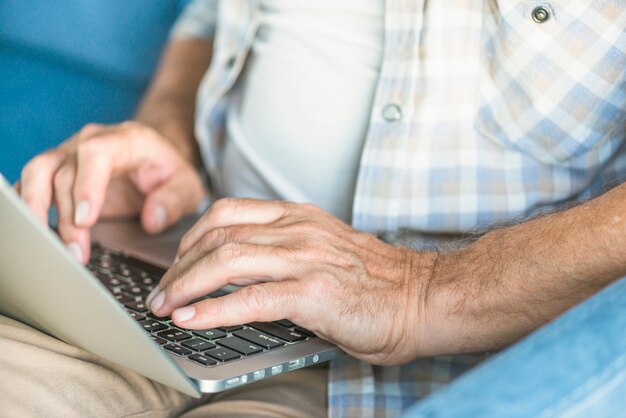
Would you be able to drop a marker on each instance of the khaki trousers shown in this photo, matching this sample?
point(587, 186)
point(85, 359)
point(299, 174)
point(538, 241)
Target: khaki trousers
point(41, 376)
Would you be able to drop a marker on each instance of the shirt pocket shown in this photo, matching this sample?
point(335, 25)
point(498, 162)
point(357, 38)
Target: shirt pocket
point(553, 76)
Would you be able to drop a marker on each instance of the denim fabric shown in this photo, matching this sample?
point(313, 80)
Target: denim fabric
point(573, 367)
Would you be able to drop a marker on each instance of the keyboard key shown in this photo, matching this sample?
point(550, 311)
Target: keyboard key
point(304, 331)
point(159, 341)
point(147, 280)
point(124, 270)
point(222, 354)
point(104, 262)
point(242, 346)
point(259, 338)
point(178, 350)
point(137, 306)
point(152, 326)
point(111, 281)
point(179, 328)
point(278, 331)
point(198, 344)
point(231, 328)
point(174, 335)
point(285, 323)
point(122, 298)
point(204, 360)
point(134, 290)
point(160, 318)
point(136, 316)
point(100, 275)
point(210, 334)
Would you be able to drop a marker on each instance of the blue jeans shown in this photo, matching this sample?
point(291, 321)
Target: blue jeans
point(573, 367)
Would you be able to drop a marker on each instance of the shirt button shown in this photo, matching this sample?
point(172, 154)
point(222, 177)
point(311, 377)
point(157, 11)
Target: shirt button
point(541, 14)
point(392, 112)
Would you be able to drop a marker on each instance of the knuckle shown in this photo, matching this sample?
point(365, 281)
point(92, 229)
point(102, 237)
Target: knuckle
point(89, 129)
point(90, 149)
point(229, 252)
point(135, 129)
point(309, 207)
point(222, 205)
point(131, 126)
point(214, 238)
point(222, 208)
point(64, 176)
point(185, 242)
point(37, 164)
point(178, 286)
point(256, 297)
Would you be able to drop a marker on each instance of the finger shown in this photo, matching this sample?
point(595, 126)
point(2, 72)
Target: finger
point(227, 212)
point(112, 151)
point(36, 182)
point(248, 233)
point(172, 200)
point(233, 263)
point(17, 187)
point(257, 303)
point(77, 239)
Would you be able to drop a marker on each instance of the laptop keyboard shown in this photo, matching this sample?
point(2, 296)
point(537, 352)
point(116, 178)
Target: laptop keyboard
point(131, 280)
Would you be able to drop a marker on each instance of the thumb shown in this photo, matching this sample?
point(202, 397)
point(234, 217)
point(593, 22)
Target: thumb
point(170, 201)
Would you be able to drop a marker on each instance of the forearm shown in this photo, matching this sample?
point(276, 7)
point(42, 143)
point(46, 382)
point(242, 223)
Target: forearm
point(514, 279)
point(169, 104)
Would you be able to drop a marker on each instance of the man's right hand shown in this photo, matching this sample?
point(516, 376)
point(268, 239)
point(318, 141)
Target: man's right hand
point(114, 170)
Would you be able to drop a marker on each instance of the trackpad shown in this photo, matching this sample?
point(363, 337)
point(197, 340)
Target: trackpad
point(128, 236)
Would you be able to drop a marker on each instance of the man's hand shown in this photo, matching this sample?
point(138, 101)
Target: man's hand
point(300, 263)
point(145, 167)
point(388, 305)
point(116, 170)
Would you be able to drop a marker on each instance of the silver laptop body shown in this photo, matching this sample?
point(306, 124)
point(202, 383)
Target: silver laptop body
point(42, 285)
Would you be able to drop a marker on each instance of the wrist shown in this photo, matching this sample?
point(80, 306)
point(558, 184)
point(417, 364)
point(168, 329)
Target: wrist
point(171, 116)
point(421, 304)
point(469, 308)
point(448, 310)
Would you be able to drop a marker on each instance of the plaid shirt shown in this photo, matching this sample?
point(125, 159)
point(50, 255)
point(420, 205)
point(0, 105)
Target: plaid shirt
point(485, 111)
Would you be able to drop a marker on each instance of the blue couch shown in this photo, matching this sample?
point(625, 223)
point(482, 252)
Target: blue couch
point(64, 63)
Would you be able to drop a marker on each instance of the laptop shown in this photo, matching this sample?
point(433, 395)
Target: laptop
point(100, 308)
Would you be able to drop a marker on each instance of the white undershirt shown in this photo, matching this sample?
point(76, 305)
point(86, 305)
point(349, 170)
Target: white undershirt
point(296, 126)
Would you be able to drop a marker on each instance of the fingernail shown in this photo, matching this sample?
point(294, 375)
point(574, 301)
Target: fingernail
point(76, 250)
point(184, 314)
point(177, 259)
point(152, 294)
point(81, 214)
point(158, 300)
point(159, 217)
